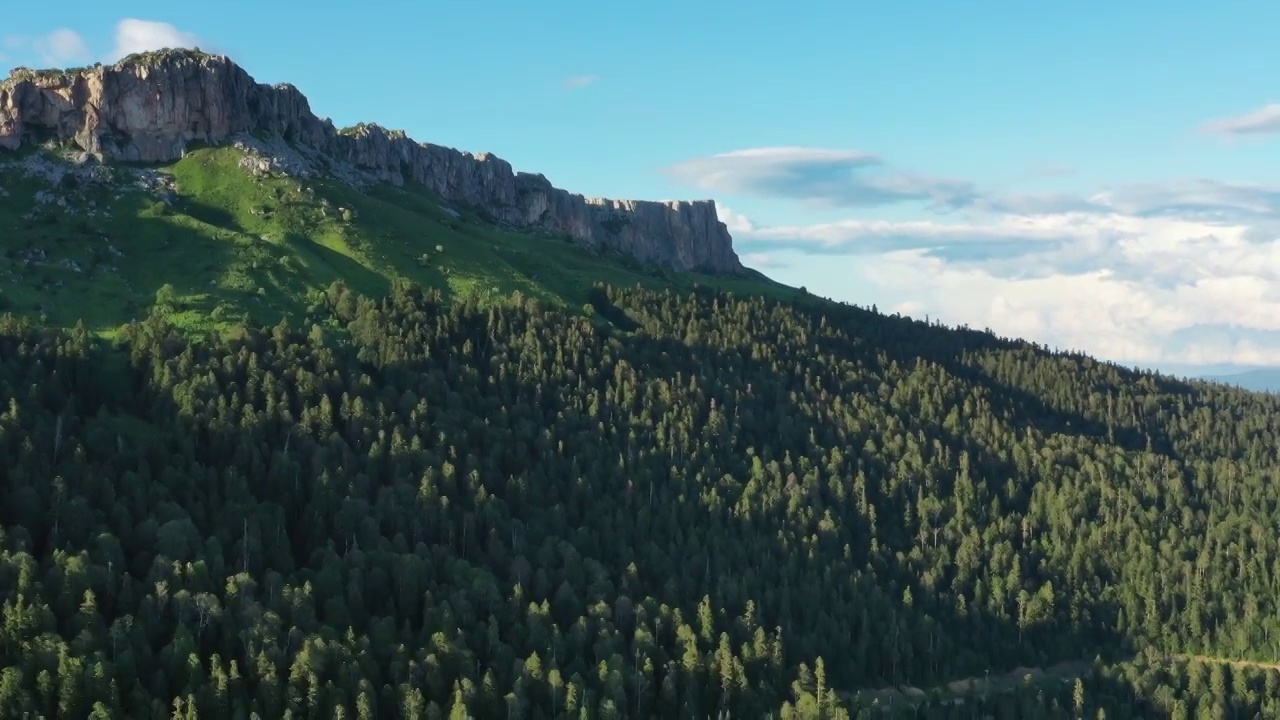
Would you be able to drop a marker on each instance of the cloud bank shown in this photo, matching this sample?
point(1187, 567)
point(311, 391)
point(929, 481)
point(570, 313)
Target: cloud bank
point(1166, 274)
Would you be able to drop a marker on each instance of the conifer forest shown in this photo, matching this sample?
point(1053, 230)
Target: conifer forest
point(664, 504)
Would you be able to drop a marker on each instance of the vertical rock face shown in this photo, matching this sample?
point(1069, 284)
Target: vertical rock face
point(151, 108)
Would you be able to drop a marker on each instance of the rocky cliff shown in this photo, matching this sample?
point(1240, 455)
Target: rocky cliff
point(152, 107)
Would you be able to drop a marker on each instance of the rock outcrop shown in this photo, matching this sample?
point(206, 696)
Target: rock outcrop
point(152, 107)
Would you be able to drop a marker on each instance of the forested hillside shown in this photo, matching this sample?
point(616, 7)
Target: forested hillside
point(668, 504)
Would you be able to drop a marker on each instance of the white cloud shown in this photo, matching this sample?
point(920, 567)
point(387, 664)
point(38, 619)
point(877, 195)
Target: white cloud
point(1173, 274)
point(1264, 120)
point(735, 222)
point(761, 261)
point(1111, 313)
point(1097, 310)
point(135, 36)
point(579, 81)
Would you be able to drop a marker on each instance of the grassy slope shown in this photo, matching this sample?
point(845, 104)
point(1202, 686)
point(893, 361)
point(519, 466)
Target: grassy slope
point(233, 245)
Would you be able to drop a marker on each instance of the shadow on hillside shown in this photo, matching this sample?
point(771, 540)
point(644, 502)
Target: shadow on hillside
point(167, 255)
point(813, 608)
point(209, 214)
point(599, 301)
point(726, 375)
point(1036, 692)
point(190, 259)
point(331, 265)
point(908, 341)
point(873, 339)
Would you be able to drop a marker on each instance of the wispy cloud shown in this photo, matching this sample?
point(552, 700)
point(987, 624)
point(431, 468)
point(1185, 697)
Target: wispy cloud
point(1263, 121)
point(64, 46)
point(857, 179)
point(579, 81)
point(134, 36)
point(860, 237)
point(833, 178)
point(58, 48)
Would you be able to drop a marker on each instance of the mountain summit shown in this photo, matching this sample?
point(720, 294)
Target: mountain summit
point(154, 107)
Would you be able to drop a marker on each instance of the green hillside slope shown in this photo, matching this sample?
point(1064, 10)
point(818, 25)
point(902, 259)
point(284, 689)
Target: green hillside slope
point(97, 243)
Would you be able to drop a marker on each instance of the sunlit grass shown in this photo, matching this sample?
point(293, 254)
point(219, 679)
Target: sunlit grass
point(237, 247)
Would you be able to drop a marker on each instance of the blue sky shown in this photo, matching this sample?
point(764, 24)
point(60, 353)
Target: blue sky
point(1100, 176)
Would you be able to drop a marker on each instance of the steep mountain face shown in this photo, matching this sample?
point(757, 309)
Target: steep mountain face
point(153, 107)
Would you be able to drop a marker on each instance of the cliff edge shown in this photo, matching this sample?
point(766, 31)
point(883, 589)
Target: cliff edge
point(151, 107)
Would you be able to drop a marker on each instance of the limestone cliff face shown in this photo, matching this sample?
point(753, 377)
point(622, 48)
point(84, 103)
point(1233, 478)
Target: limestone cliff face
point(151, 108)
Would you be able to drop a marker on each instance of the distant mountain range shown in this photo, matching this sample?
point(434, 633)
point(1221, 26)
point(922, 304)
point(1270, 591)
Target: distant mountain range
point(1257, 380)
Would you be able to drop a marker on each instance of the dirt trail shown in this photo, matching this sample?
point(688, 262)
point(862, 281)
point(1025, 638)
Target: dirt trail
point(1260, 664)
point(1062, 672)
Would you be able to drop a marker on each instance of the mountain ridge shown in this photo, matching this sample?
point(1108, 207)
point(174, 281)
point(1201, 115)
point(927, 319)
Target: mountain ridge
point(154, 107)
point(1265, 379)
